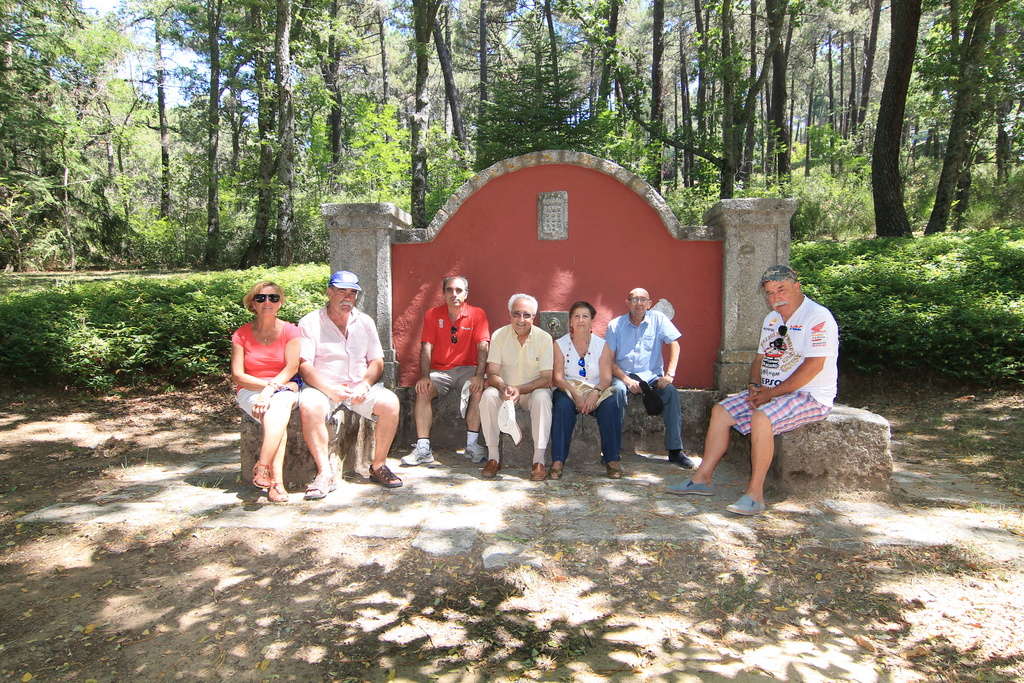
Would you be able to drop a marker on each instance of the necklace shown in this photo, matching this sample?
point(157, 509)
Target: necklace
point(265, 337)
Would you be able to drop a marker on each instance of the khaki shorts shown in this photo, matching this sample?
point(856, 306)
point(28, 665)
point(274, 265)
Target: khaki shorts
point(445, 380)
point(311, 396)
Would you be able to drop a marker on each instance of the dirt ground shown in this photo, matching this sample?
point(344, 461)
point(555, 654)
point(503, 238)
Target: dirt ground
point(182, 601)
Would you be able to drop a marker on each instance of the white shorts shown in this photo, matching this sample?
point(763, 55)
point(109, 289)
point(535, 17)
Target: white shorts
point(311, 396)
point(246, 399)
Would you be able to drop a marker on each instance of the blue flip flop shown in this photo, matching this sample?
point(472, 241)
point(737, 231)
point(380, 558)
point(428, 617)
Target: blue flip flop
point(746, 506)
point(690, 487)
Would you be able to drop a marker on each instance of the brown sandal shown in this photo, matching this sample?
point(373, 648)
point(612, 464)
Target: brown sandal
point(262, 477)
point(276, 493)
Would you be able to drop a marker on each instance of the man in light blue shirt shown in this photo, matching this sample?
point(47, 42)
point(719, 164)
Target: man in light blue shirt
point(636, 341)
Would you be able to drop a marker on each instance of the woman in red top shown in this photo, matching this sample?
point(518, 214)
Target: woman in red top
point(264, 360)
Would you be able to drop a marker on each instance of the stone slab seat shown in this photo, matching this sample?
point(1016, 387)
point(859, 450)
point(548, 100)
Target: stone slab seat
point(642, 433)
point(849, 450)
point(350, 447)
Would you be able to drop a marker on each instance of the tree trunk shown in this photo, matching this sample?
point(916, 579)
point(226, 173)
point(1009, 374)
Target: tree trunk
point(831, 109)
point(552, 41)
point(266, 116)
point(213, 16)
point(285, 131)
point(869, 61)
point(779, 136)
point(686, 113)
point(483, 54)
point(810, 111)
point(331, 71)
point(161, 111)
point(747, 165)
point(385, 69)
point(886, 180)
point(450, 89)
point(604, 88)
point(657, 115)
point(424, 12)
point(702, 59)
point(1004, 105)
point(966, 110)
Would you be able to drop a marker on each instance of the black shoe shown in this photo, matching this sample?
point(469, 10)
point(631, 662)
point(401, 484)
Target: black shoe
point(681, 459)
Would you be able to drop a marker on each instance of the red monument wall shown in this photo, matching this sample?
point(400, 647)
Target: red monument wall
point(616, 242)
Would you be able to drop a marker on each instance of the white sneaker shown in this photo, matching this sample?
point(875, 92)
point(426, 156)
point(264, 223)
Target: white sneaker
point(476, 453)
point(421, 455)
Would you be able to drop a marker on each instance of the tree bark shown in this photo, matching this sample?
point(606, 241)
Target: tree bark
point(869, 61)
point(451, 91)
point(213, 16)
point(747, 165)
point(161, 110)
point(657, 115)
point(886, 180)
point(424, 12)
point(777, 114)
point(482, 20)
point(611, 31)
point(966, 110)
point(285, 132)
point(266, 117)
point(385, 69)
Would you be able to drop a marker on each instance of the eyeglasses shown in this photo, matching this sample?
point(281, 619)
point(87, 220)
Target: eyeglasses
point(583, 367)
point(260, 298)
point(638, 299)
point(455, 334)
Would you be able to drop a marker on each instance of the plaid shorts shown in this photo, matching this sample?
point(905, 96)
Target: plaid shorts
point(786, 412)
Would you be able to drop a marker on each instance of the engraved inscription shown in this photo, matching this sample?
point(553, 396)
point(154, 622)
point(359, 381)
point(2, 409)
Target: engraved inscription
point(553, 215)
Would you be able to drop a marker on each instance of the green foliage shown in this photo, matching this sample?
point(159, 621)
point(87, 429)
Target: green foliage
point(832, 207)
point(176, 328)
point(953, 304)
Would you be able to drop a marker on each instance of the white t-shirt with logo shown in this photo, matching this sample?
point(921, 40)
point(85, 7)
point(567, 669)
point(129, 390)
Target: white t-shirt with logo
point(810, 332)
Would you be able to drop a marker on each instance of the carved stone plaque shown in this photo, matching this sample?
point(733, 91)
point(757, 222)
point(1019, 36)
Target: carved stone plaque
point(555, 323)
point(553, 215)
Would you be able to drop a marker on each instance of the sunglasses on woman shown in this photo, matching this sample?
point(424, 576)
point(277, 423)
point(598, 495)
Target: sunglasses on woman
point(260, 298)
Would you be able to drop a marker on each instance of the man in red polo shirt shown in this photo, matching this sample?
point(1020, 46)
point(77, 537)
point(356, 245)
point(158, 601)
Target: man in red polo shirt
point(453, 351)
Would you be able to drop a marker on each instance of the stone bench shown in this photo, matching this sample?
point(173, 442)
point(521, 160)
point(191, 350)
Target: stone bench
point(350, 448)
point(849, 450)
point(642, 433)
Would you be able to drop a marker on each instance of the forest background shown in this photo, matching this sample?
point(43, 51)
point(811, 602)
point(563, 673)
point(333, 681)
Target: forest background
point(171, 133)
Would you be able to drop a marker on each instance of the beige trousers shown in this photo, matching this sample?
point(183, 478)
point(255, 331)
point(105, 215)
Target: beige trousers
point(537, 402)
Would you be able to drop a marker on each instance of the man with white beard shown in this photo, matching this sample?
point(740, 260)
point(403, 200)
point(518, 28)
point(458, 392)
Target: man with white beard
point(792, 382)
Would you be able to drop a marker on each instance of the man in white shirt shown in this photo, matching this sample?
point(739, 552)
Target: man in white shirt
point(793, 382)
point(341, 363)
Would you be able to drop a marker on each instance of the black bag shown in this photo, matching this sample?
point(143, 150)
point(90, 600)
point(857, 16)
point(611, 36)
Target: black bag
point(652, 400)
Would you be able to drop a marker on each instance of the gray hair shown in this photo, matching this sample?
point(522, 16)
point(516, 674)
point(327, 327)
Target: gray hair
point(446, 280)
point(516, 297)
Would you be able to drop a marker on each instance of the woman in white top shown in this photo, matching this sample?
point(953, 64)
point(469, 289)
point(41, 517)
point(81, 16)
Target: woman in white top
point(582, 377)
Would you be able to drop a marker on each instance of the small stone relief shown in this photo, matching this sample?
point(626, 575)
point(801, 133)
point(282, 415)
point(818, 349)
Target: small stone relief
point(553, 215)
point(665, 307)
point(555, 323)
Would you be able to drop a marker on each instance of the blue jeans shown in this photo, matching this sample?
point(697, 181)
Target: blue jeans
point(672, 415)
point(563, 420)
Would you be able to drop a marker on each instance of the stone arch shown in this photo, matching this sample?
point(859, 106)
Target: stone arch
point(558, 156)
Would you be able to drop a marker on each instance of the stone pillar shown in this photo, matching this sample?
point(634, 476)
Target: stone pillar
point(755, 235)
point(361, 237)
